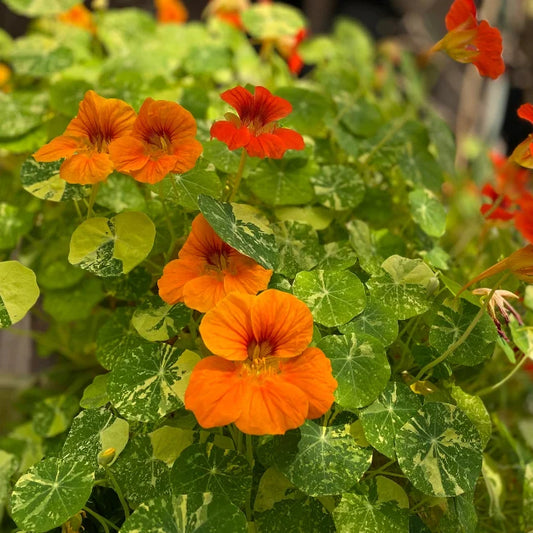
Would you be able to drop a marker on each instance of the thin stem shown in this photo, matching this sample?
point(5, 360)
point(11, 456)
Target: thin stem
point(236, 181)
point(384, 140)
point(492, 388)
point(104, 522)
point(94, 192)
point(118, 491)
point(250, 457)
point(168, 219)
point(494, 206)
point(78, 210)
point(381, 468)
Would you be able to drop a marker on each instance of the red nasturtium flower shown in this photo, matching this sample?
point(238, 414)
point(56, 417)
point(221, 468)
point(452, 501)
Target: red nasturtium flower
point(256, 128)
point(263, 377)
point(470, 41)
point(172, 11)
point(162, 140)
point(288, 48)
point(207, 269)
point(79, 16)
point(85, 143)
point(523, 153)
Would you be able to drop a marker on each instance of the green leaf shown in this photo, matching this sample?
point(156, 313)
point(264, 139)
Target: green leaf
point(321, 460)
point(388, 491)
point(95, 394)
point(375, 320)
point(37, 8)
point(43, 181)
point(168, 442)
point(333, 297)
point(21, 112)
point(50, 493)
point(404, 286)
point(18, 292)
point(316, 216)
point(383, 419)
point(149, 381)
point(8, 466)
point(140, 475)
point(271, 21)
point(449, 326)
point(338, 187)
point(129, 287)
point(188, 186)
point(363, 243)
point(427, 212)
point(460, 515)
point(442, 142)
point(207, 58)
point(156, 320)
point(111, 247)
point(217, 152)
point(239, 230)
point(207, 468)
point(361, 118)
point(15, 222)
point(337, 256)
point(360, 366)
point(187, 513)
point(527, 505)
point(440, 450)
point(119, 193)
point(53, 415)
point(298, 247)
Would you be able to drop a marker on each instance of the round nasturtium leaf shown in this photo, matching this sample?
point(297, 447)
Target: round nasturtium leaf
point(53, 415)
point(272, 21)
point(325, 460)
point(15, 222)
point(205, 513)
point(50, 492)
point(119, 193)
point(188, 186)
point(95, 394)
point(360, 366)
point(207, 468)
point(111, 247)
point(149, 381)
point(440, 450)
point(21, 112)
point(338, 187)
point(18, 292)
point(37, 8)
point(383, 419)
point(334, 297)
point(428, 212)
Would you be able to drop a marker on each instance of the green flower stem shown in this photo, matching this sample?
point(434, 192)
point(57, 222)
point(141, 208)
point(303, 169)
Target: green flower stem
point(104, 522)
point(168, 219)
point(381, 469)
point(250, 457)
point(233, 183)
point(94, 192)
point(492, 388)
point(78, 210)
point(117, 489)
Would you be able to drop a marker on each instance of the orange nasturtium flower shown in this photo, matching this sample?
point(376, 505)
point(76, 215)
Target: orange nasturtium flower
point(171, 11)
point(256, 128)
point(470, 41)
point(85, 143)
point(523, 153)
point(228, 11)
point(207, 269)
point(263, 377)
point(162, 140)
point(79, 16)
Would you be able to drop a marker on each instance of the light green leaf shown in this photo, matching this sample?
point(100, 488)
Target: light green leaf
point(360, 366)
point(187, 513)
point(316, 216)
point(440, 450)
point(272, 21)
point(383, 419)
point(494, 483)
point(363, 243)
point(207, 468)
point(37, 8)
point(119, 193)
point(333, 297)
point(442, 142)
point(450, 325)
point(50, 493)
point(95, 394)
point(527, 505)
point(427, 212)
point(186, 187)
point(168, 442)
point(338, 187)
point(321, 460)
point(53, 415)
point(8, 466)
point(21, 112)
point(18, 292)
point(15, 222)
point(237, 230)
point(156, 320)
point(218, 153)
point(111, 247)
point(388, 491)
point(337, 256)
point(149, 381)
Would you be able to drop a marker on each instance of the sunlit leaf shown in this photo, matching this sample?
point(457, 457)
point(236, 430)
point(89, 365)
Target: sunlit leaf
point(18, 292)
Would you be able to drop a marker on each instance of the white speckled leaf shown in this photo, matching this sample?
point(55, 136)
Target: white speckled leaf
point(111, 247)
point(383, 419)
point(208, 468)
point(334, 297)
point(120, 193)
point(337, 256)
point(360, 366)
point(53, 415)
point(428, 212)
point(440, 450)
point(149, 381)
point(18, 292)
point(243, 235)
point(50, 492)
point(21, 112)
point(95, 394)
point(8, 466)
point(156, 320)
point(460, 515)
point(187, 513)
point(338, 187)
point(323, 460)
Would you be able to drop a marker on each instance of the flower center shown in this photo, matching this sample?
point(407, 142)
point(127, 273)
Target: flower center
point(218, 260)
point(260, 361)
point(259, 350)
point(160, 142)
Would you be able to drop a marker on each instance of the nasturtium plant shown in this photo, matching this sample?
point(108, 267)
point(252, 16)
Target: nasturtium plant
point(264, 285)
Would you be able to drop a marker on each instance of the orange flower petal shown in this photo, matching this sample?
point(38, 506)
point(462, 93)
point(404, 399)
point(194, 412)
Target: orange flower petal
point(86, 168)
point(175, 275)
point(245, 275)
point(186, 155)
point(62, 146)
point(227, 329)
point(127, 153)
point(271, 406)
point(215, 392)
point(155, 169)
point(283, 320)
point(204, 292)
point(201, 241)
point(311, 373)
point(462, 13)
point(228, 133)
point(171, 11)
point(488, 41)
point(525, 111)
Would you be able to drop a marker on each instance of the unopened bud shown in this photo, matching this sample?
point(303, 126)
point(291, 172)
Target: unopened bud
point(106, 457)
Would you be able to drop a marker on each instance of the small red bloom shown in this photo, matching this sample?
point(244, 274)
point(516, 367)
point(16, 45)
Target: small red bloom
point(468, 41)
point(523, 153)
point(171, 11)
point(256, 128)
point(288, 48)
